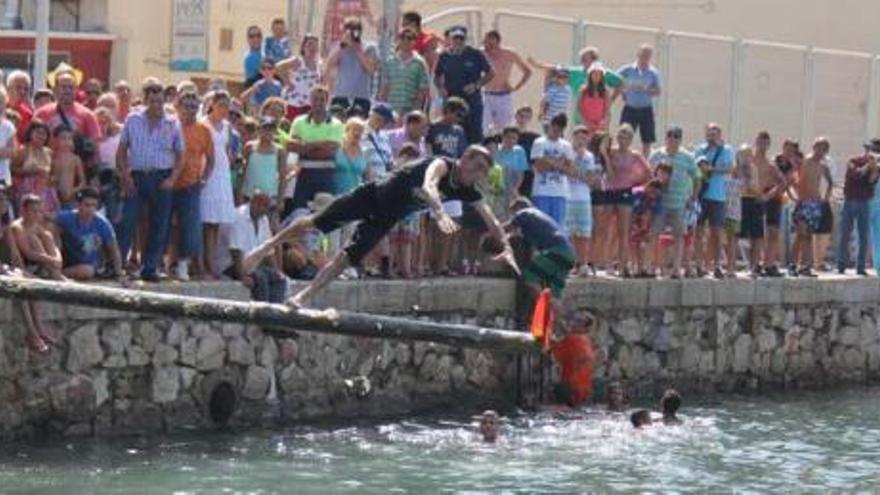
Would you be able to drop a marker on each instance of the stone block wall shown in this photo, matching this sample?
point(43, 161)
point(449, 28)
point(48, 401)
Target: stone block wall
point(116, 374)
point(709, 336)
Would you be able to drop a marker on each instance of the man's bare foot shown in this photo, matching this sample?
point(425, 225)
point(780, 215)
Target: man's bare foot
point(253, 259)
point(36, 344)
point(48, 336)
point(297, 301)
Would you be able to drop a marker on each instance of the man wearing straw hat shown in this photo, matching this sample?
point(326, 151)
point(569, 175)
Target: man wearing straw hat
point(64, 80)
point(66, 111)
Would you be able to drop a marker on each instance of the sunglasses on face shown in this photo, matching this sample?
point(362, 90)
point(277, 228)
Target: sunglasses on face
point(255, 35)
point(152, 90)
point(407, 38)
point(673, 135)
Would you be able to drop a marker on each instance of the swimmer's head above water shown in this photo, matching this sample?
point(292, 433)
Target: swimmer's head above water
point(640, 418)
point(489, 426)
point(669, 405)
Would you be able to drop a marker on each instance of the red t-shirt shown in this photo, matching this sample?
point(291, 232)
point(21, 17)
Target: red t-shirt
point(574, 353)
point(81, 119)
point(26, 114)
point(424, 40)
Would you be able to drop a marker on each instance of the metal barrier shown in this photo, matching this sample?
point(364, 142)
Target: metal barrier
point(471, 17)
point(745, 85)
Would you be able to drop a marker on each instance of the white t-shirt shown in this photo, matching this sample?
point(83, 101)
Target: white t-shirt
point(242, 234)
point(578, 189)
point(107, 151)
point(552, 184)
point(7, 133)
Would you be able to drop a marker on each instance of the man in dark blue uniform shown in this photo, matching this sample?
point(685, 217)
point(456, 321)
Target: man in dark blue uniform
point(462, 71)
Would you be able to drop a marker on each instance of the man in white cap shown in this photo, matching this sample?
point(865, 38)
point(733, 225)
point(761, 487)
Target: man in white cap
point(462, 71)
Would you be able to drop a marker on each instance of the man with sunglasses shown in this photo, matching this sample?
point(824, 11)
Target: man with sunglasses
point(405, 77)
point(149, 161)
point(253, 58)
point(683, 183)
point(198, 161)
point(266, 87)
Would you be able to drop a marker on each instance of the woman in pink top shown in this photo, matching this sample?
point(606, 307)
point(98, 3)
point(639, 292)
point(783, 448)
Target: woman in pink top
point(595, 100)
point(627, 169)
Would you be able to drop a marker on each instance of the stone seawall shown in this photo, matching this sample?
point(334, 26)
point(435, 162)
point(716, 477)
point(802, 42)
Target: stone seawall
point(735, 335)
point(116, 373)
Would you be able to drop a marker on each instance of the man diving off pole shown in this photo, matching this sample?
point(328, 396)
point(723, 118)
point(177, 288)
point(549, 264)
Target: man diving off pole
point(378, 206)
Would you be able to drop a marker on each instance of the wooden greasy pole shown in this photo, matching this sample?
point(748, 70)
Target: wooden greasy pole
point(280, 318)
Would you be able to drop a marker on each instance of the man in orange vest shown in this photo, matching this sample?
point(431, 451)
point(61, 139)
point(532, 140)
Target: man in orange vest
point(574, 354)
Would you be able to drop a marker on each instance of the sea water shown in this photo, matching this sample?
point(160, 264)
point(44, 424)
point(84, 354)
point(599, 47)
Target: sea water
point(790, 442)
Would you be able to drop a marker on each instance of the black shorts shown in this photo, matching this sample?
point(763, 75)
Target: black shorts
point(360, 204)
point(751, 226)
point(471, 220)
point(714, 213)
point(528, 180)
point(354, 107)
point(773, 212)
point(310, 182)
point(642, 120)
point(619, 197)
point(826, 224)
point(599, 198)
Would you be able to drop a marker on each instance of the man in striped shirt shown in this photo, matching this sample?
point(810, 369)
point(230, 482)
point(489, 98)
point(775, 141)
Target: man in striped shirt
point(149, 161)
point(405, 77)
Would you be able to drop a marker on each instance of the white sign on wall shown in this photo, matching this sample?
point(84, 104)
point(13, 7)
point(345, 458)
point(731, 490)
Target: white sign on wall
point(189, 35)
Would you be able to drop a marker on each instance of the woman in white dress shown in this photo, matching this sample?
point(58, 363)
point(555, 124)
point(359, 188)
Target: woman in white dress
point(217, 201)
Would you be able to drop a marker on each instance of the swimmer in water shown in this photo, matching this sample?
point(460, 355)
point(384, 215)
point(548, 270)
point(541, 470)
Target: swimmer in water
point(640, 419)
point(489, 426)
point(614, 396)
point(669, 405)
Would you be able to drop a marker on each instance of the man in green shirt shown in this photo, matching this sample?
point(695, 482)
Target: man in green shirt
point(405, 77)
point(678, 191)
point(314, 137)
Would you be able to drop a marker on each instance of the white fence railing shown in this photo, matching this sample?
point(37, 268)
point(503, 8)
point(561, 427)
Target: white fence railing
point(745, 85)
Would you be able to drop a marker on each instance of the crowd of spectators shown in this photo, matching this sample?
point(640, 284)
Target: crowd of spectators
point(170, 181)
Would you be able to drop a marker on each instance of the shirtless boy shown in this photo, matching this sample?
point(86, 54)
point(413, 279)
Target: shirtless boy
point(67, 169)
point(810, 203)
point(34, 241)
point(498, 92)
point(773, 185)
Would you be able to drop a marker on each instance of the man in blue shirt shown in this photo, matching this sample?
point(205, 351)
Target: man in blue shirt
point(254, 56)
point(719, 160)
point(641, 84)
point(462, 71)
point(149, 160)
point(85, 237)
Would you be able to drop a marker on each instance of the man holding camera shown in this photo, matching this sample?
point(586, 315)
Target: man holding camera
point(350, 68)
point(861, 176)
